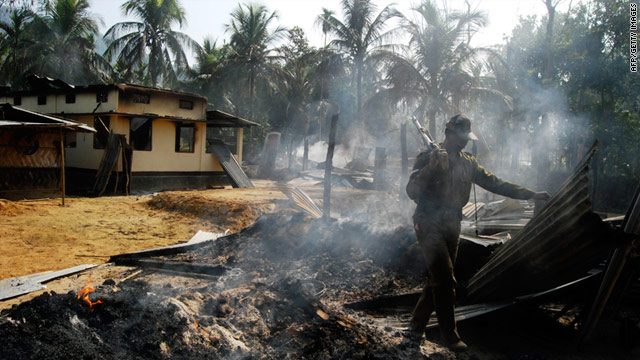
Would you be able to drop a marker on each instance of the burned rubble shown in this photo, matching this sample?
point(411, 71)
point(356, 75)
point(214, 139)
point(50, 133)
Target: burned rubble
point(278, 298)
point(279, 291)
point(297, 284)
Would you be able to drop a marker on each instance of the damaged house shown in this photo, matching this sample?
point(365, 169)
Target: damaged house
point(147, 139)
point(31, 151)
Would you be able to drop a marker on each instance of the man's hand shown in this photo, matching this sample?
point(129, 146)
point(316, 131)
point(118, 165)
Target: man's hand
point(541, 195)
point(439, 158)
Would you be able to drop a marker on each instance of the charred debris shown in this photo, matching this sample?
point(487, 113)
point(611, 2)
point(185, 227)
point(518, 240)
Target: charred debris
point(300, 284)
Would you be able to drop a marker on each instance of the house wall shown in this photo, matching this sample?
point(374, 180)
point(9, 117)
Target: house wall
point(84, 156)
point(21, 171)
point(163, 151)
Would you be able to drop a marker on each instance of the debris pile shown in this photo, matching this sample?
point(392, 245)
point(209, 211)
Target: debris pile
point(280, 295)
point(277, 289)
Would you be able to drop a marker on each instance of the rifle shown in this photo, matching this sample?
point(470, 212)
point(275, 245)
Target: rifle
point(425, 135)
point(429, 143)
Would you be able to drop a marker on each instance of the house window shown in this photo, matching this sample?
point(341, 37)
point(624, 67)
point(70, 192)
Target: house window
point(140, 133)
point(17, 100)
point(186, 104)
point(225, 134)
point(102, 126)
point(70, 98)
point(102, 97)
point(42, 100)
point(70, 139)
point(140, 98)
point(185, 137)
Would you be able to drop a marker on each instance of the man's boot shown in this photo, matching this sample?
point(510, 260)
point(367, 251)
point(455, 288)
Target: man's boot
point(444, 303)
point(421, 314)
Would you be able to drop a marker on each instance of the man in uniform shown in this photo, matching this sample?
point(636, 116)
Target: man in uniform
point(440, 184)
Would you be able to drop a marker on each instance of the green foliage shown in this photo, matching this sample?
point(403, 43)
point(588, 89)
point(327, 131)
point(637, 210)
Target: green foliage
point(58, 41)
point(434, 74)
point(251, 36)
point(152, 43)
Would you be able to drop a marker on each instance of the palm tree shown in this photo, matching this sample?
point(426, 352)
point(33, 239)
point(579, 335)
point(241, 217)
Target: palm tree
point(436, 75)
point(323, 21)
point(210, 74)
point(359, 36)
point(13, 44)
point(250, 40)
point(152, 41)
point(65, 47)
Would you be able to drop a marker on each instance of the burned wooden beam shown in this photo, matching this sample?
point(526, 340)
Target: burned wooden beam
point(178, 266)
point(561, 243)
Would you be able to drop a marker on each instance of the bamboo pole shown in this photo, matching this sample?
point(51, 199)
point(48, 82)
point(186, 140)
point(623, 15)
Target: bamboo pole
point(62, 174)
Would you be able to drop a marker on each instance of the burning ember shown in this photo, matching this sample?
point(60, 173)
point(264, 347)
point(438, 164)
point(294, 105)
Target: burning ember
point(84, 294)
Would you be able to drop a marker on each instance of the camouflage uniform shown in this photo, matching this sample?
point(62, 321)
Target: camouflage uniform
point(440, 195)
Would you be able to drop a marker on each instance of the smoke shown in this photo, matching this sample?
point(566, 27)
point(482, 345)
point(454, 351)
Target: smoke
point(537, 143)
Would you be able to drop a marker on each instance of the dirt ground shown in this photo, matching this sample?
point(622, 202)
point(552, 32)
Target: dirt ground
point(41, 235)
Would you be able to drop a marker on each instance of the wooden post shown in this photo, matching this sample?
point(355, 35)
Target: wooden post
point(62, 174)
point(405, 160)
point(328, 167)
point(380, 165)
point(305, 155)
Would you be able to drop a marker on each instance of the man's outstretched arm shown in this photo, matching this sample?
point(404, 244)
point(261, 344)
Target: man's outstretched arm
point(496, 185)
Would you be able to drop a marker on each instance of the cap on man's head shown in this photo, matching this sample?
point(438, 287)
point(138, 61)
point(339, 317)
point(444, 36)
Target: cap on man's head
point(461, 125)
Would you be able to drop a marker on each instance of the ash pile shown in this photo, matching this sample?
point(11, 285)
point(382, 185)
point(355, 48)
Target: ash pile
point(273, 290)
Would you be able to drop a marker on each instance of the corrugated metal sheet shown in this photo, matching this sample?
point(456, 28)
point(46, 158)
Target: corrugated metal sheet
point(230, 165)
point(561, 243)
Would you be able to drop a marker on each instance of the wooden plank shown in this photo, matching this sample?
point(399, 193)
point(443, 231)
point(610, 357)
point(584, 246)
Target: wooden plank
point(107, 165)
point(231, 167)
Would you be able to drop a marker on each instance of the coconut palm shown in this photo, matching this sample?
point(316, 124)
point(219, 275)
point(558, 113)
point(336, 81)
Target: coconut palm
point(323, 21)
point(250, 39)
point(65, 46)
point(152, 41)
point(210, 75)
point(13, 44)
point(359, 35)
point(436, 75)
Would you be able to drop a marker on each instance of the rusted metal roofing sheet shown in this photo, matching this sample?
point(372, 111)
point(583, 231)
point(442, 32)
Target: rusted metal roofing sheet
point(561, 243)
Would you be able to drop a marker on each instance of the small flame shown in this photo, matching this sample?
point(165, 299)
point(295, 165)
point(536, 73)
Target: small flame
point(84, 294)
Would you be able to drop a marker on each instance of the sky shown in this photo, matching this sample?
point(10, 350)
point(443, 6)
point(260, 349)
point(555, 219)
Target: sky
point(206, 18)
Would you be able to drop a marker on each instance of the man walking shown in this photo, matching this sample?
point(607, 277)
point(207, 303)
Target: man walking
point(440, 184)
